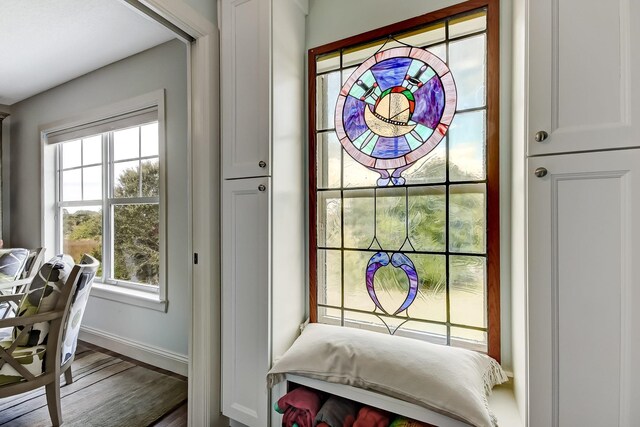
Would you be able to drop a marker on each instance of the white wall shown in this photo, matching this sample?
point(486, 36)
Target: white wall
point(207, 8)
point(164, 66)
point(331, 20)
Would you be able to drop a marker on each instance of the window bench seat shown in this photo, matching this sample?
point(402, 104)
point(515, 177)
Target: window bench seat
point(502, 402)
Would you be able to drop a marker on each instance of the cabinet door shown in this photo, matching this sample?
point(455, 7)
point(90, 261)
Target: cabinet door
point(245, 43)
point(584, 290)
point(245, 300)
point(583, 57)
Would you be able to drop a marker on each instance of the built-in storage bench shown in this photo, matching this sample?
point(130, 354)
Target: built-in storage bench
point(502, 402)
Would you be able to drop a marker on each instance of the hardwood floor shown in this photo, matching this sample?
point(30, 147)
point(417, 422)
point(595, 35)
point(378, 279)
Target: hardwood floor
point(177, 417)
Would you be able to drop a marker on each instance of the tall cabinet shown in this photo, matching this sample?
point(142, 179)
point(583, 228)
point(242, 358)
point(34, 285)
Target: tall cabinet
point(263, 277)
point(583, 208)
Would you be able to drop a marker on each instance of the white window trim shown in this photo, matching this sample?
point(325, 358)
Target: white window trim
point(135, 295)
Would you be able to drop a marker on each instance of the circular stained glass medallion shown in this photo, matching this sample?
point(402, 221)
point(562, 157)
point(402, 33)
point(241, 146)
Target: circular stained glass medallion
point(395, 109)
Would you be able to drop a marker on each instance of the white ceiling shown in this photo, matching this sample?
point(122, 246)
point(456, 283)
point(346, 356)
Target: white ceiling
point(44, 43)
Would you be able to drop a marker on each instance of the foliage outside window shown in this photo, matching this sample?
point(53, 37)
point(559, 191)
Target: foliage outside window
point(108, 203)
point(378, 230)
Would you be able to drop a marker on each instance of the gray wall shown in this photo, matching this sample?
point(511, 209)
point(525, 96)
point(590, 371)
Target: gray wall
point(164, 66)
point(206, 8)
point(331, 20)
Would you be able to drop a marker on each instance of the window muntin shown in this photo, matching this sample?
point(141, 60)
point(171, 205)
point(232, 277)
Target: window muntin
point(438, 218)
point(108, 204)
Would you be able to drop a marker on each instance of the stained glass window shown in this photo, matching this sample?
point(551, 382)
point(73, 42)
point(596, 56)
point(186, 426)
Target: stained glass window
point(404, 183)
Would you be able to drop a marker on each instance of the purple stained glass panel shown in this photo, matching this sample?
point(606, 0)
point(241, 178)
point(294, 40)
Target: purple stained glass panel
point(391, 72)
point(354, 118)
point(389, 148)
point(429, 103)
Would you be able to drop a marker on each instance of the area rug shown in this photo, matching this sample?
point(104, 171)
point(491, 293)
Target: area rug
point(106, 392)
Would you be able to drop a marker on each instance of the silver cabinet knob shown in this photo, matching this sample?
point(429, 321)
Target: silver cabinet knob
point(541, 136)
point(262, 164)
point(261, 187)
point(540, 172)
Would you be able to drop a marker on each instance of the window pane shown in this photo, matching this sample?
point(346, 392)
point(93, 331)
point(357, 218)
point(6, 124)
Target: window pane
point(391, 216)
point(359, 223)
point(72, 185)
point(82, 232)
point(467, 283)
point(92, 150)
point(136, 244)
point(92, 183)
point(71, 154)
point(126, 144)
point(151, 177)
point(126, 179)
point(356, 175)
point(468, 24)
point(430, 169)
point(467, 218)
point(149, 140)
point(327, 89)
point(424, 36)
point(329, 277)
point(467, 64)
point(467, 147)
point(328, 62)
point(328, 220)
point(427, 218)
point(328, 160)
point(470, 339)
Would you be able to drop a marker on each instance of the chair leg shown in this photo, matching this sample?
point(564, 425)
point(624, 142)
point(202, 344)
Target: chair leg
point(53, 401)
point(68, 376)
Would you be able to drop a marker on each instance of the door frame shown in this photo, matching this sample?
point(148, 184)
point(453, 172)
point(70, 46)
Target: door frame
point(204, 207)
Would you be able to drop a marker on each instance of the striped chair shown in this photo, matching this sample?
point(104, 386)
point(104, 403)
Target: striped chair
point(45, 330)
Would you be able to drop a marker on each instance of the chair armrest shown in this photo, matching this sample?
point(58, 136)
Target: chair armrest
point(30, 320)
point(15, 283)
point(12, 297)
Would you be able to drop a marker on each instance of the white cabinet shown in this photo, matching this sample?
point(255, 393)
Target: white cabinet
point(584, 289)
point(583, 60)
point(263, 252)
point(245, 296)
point(245, 49)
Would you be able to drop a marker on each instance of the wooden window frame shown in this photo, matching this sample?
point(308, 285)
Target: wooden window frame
point(492, 153)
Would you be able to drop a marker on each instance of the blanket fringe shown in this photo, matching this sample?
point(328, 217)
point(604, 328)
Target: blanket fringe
point(493, 376)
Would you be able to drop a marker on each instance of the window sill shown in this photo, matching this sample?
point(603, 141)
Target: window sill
point(129, 296)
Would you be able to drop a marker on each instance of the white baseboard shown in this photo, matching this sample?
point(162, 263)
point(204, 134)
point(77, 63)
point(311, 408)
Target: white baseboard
point(165, 359)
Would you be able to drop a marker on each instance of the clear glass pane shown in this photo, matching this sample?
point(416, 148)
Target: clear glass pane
point(149, 140)
point(431, 300)
point(467, 284)
point(358, 218)
point(328, 160)
point(329, 277)
point(346, 73)
point(467, 64)
point(468, 24)
point(327, 62)
point(126, 179)
point(356, 175)
point(467, 137)
point(439, 50)
point(391, 218)
point(71, 154)
point(151, 177)
point(424, 36)
point(92, 150)
point(92, 183)
point(424, 331)
point(72, 185)
point(470, 339)
point(356, 56)
point(330, 316)
point(355, 281)
point(327, 90)
point(136, 246)
point(329, 219)
point(82, 232)
point(467, 218)
point(427, 218)
point(126, 144)
point(431, 169)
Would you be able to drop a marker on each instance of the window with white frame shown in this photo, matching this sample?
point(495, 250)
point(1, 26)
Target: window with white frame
point(108, 198)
